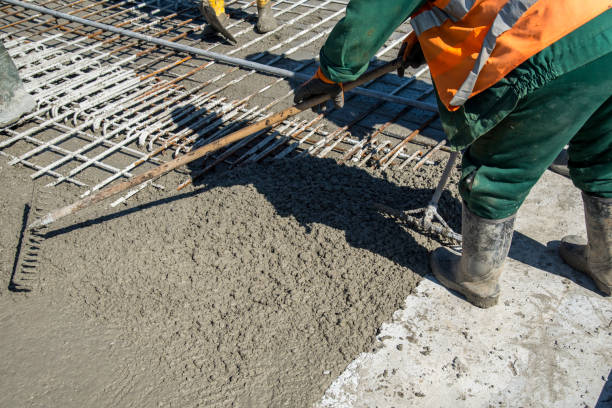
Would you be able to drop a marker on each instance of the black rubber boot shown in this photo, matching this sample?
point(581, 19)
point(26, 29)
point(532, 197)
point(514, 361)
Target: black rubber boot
point(559, 166)
point(14, 100)
point(265, 19)
point(475, 273)
point(594, 256)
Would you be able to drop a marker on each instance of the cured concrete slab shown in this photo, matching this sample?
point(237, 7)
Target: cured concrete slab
point(547, 344)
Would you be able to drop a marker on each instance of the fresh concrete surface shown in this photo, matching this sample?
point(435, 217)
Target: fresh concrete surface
point(547, 344)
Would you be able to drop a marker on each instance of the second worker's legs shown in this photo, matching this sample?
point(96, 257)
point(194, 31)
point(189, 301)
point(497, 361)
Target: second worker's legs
point(500, 168)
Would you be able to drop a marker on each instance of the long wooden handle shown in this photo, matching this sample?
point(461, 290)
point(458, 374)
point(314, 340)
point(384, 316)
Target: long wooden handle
point(211, 147)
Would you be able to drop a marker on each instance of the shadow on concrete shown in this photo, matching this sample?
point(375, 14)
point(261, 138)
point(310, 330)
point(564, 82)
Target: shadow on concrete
point(546, 257)
point(314, 190)
point(605, 397)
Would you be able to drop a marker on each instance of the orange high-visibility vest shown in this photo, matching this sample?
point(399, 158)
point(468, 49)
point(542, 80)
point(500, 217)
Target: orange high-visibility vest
point(470, 45)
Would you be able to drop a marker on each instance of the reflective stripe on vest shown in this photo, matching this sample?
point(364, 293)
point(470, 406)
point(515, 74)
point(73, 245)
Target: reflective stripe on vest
point(472, 44)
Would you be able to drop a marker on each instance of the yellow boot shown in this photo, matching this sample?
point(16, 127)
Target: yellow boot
point(214, 14)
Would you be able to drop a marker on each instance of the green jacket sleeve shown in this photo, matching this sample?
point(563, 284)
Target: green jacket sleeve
point(356, 38)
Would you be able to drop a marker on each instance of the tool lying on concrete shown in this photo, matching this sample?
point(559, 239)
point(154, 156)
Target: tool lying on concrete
point(206, 149)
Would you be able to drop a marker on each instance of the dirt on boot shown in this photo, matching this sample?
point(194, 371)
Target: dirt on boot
point(265, 19)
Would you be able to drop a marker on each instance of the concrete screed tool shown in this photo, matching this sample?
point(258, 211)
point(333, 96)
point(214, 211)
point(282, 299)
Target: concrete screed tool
point(425, 224)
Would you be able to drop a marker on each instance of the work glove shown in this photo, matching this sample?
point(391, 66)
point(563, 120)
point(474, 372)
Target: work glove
point(319, 84)
point(410, 54)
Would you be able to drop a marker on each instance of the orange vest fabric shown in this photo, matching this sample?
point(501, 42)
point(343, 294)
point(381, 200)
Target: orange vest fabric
point(470, 45)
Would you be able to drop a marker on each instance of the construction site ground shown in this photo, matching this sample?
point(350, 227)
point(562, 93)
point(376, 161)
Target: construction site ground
point(273, 280)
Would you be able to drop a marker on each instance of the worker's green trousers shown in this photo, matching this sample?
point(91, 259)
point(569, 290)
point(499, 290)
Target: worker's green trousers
point(575, 109)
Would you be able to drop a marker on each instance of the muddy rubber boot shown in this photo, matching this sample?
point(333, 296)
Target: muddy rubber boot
point(265, 19)
point(216, 19)
point(475, 273)
point(14, 100)
point(594, 256)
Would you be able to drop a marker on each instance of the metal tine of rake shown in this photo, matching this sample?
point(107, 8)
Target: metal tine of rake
point(431, 211)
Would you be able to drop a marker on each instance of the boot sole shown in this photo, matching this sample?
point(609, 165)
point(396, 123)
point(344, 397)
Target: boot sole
point(481, 302)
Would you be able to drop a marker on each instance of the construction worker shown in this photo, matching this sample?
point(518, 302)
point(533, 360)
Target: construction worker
point(14, 100)
point(214, 13)
point(516, 81)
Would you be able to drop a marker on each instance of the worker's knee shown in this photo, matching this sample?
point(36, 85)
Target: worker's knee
point(595, 179)
point(493, 192)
